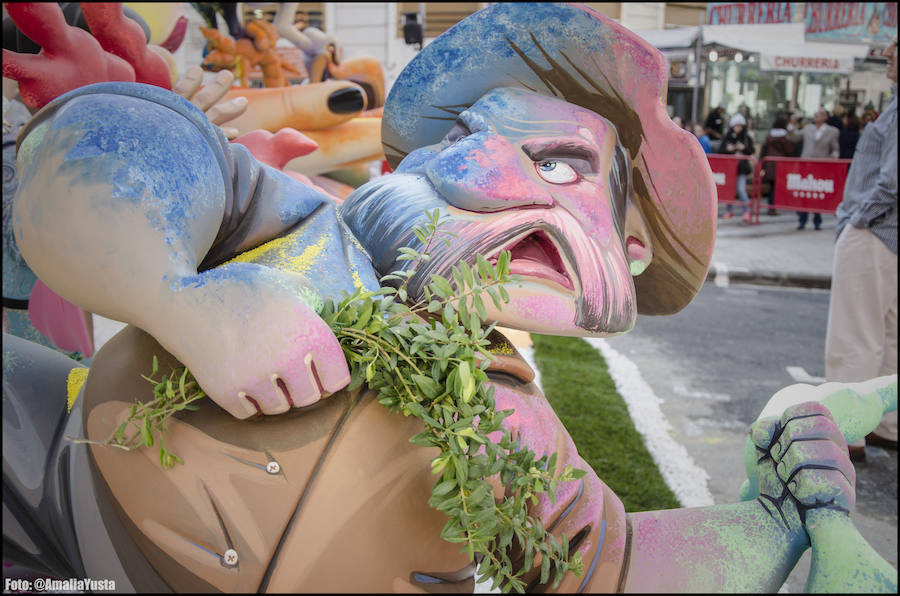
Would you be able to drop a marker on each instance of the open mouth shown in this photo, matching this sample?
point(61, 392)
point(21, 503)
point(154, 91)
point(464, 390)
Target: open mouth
point(536, 255)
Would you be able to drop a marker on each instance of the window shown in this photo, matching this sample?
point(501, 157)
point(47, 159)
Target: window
point(309, 14)
point(439, 16)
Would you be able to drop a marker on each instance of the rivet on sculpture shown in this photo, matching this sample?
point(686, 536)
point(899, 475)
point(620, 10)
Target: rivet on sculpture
point(537, 129)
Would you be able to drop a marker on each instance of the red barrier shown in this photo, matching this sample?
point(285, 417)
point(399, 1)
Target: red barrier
point(724, 170)
point(813, 185)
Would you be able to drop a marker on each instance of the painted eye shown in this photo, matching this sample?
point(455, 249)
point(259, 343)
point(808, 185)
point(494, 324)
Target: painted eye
point(556, 172)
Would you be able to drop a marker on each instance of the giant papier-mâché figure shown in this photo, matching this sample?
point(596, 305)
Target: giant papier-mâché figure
point(534, 128)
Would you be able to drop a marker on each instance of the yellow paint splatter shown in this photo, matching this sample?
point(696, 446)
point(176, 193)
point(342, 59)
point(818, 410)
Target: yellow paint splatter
point(279, 253)
point(357, 280)
point(77, 377)
point(502, 348)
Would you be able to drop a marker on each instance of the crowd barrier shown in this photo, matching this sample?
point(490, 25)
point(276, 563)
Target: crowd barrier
point(724, 170)
point(804, 184)
point(801, 184)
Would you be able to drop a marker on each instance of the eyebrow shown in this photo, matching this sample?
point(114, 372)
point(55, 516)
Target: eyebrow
point(539, 152)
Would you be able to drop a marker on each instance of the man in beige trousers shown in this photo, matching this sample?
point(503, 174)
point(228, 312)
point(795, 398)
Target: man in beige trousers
point(862, 318)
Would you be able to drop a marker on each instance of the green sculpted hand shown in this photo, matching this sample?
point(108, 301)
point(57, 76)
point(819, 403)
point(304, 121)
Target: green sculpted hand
point(798, 467)
point(802, 464)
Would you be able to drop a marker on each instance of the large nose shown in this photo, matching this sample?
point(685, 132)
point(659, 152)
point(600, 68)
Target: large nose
point(485, 171)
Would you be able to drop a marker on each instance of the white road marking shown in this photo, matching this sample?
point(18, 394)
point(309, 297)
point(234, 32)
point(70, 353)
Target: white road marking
point(687, 480)
point(799, 374)
point(682, 390)
point(721, 279)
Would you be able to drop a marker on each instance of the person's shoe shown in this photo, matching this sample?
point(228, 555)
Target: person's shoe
point(746, 218)
point(728, 215)
point(801, 227)
point(873, 439)
point(857, 453)
point(771, 212)
point(818, 228)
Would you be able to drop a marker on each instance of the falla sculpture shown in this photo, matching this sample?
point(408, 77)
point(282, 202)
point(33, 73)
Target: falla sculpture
point(533, 128)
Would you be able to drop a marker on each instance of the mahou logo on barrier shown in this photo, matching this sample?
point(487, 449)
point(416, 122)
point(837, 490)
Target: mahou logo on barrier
point(724, 171)
point(810, 185)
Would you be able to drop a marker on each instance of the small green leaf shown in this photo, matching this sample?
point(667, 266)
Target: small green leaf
point(146, 435)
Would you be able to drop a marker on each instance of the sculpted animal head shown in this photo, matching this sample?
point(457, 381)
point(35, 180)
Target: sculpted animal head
point(263, 33)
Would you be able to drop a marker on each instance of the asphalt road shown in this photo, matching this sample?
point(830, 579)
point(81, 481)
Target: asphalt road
point(716, 364)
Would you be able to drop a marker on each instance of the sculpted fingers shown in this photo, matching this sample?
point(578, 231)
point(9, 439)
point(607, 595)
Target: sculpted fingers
point(213, 92)
point(763, 431)
point(809, 428)
point(188, 84)
point(221, 113)
point(811, 458)
point(41, 22)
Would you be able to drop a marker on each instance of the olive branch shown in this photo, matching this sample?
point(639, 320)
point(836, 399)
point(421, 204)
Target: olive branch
point(428, 360)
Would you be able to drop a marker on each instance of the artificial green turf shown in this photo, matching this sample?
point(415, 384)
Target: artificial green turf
point(576, 381)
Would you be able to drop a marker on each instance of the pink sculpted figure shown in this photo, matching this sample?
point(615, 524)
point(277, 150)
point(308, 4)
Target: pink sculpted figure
point(534, 128)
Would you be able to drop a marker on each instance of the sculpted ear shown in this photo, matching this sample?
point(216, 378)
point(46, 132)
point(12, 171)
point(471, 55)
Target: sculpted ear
point(638, 242)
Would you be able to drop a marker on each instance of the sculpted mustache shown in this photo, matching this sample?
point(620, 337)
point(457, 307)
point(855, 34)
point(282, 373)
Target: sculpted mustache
point(476, 238)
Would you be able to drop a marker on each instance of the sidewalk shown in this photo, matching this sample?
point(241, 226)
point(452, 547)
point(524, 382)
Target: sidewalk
point(774, 251)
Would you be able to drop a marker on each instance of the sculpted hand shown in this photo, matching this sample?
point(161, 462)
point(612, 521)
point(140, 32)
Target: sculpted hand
point(69, 57)
point(803, 455)
point(251, 339)
point(207, 99)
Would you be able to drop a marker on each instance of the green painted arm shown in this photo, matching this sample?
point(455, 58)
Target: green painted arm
point(738, 547)
point(842, 560)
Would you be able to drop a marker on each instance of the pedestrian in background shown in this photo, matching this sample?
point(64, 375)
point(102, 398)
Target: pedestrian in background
point(775, 145)
point(849, 137)
point(819, 140)
point(869, 115)
point(736, 141)
point(701, 135)
point(795, 132)
point(861, 342)
point(715, 123)
point(836, 119)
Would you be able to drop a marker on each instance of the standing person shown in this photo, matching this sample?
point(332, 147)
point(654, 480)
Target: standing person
point(777, 144)
point(849, 137)
point(701, 135)
point(795, 134)
point(737, 141)
point(836, 119)
point(862, 317)
point(715, 122)
point(819, 140)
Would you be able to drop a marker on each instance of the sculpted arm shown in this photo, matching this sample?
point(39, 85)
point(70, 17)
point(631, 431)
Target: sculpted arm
point(125, 219)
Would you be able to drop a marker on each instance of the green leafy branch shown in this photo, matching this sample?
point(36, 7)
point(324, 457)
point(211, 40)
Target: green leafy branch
point(146, 422)
point(429, 360)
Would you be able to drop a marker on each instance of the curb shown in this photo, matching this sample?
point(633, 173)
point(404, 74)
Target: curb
point(768, 278)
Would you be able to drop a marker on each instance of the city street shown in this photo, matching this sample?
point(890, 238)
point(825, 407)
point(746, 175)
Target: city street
point(716, 364)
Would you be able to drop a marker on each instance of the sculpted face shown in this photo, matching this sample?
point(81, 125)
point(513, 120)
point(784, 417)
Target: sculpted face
point(535, 175)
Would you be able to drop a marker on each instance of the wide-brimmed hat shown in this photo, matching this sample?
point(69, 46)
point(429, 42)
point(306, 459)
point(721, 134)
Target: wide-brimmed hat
point(573, 52)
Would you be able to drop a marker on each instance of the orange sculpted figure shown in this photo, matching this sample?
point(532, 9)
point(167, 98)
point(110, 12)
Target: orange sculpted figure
point(242, 55)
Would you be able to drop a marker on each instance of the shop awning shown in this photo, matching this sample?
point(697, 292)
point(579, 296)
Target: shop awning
point(780, 46)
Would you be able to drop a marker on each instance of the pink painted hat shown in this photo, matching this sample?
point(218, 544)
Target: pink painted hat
point(573, 52)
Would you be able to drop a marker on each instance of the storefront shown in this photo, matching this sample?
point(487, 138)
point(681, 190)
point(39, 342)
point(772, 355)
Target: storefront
point(763, 70)
point(779, 57)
